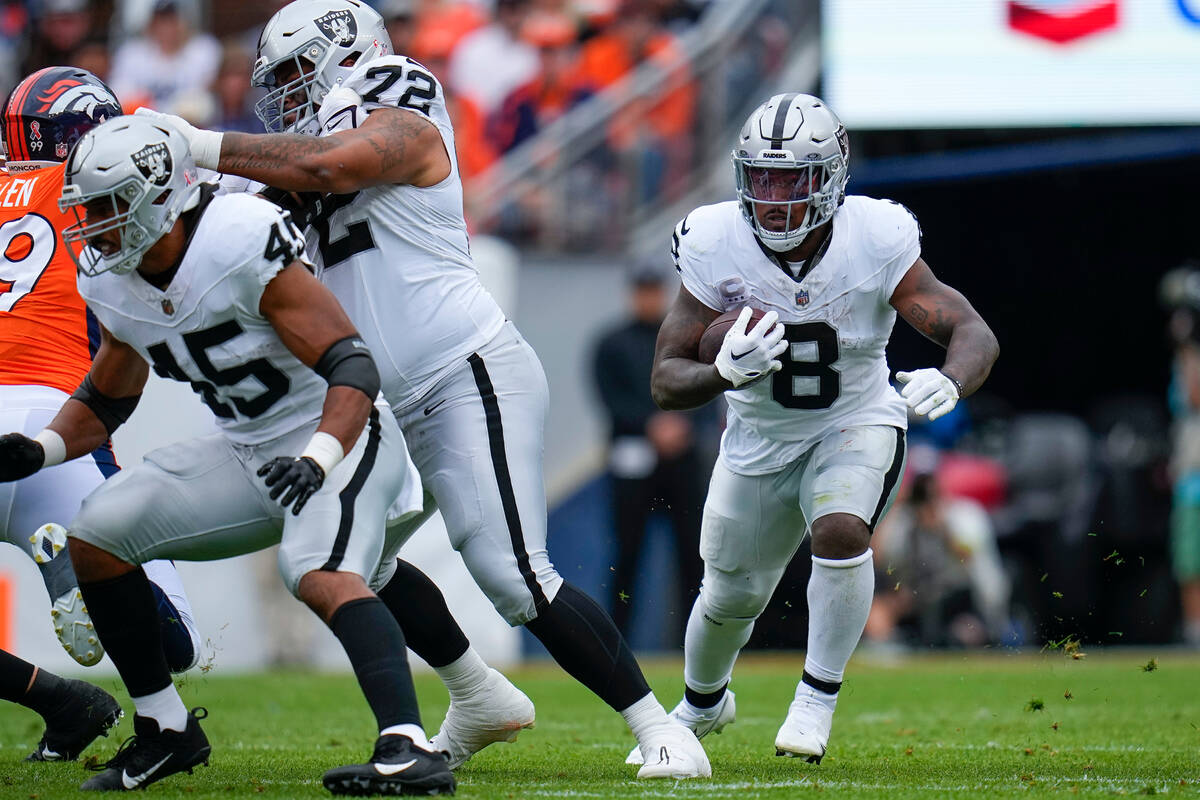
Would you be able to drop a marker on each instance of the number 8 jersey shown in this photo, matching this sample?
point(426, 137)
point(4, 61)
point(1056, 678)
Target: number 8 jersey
point(837, 318)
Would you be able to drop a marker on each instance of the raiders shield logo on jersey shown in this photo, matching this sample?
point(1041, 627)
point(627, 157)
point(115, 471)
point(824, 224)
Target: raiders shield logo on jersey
point(338, 26)
point(154, 162)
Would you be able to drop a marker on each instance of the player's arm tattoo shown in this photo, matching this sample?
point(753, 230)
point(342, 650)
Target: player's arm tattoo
point(678, 380)
point(943, 315)
point(391, 146)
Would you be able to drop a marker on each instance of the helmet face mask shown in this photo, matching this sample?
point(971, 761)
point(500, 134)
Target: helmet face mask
point(307, 49)
point(790, 168)
point(127, 181)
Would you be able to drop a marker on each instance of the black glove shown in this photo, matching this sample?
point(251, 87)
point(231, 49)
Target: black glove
point(299, 476)
point(20, 456)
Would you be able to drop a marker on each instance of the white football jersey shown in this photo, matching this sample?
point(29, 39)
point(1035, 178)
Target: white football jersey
point(206, 329)
point(838, 321)
point(397, 257)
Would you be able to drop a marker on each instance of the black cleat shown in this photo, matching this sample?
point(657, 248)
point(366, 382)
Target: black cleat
point(151, 755)
point(86, 712)
point(396, 767)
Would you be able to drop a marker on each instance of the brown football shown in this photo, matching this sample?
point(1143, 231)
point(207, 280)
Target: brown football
point(714, 334)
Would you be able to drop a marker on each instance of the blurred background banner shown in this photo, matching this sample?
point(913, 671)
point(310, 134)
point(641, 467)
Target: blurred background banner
point(950, 64)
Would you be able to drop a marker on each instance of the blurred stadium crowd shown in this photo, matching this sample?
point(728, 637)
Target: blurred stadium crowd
point(509, 67)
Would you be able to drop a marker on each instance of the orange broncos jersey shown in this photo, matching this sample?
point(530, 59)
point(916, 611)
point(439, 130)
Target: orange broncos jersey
point(47, 335)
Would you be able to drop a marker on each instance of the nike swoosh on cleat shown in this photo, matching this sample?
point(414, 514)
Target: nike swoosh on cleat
point(138, 780)
point(392, 769)
point(429, 409)
point(743, 355)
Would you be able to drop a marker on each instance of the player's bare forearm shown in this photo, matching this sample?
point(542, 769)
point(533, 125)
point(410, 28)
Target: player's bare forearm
point(287, 160)
point(972, 351)
point(681, 383)
point(117, 372)
point(344, 414)
point(390, 146)
point(678, 381)
point(80, 428)
point(944, 315)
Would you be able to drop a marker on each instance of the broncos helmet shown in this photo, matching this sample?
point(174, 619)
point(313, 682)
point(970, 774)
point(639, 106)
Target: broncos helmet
point(138, 176)
point(791, 165)
point(47, 113)
point(317, 43)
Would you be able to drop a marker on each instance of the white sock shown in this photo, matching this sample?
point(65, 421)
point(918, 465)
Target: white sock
point(644, 716)
point(164, 707)
point(839, 599)
point(414, 732)
point(711, 646)
point(464, 675)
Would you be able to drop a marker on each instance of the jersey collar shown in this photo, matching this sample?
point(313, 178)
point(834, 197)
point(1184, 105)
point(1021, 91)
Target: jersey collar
point(809, 265)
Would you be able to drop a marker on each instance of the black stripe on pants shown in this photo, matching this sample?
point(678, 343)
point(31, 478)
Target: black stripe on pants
point(348, 495)
point(495, 432)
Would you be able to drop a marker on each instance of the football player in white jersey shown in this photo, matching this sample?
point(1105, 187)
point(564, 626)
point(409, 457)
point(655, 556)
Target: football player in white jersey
point(468, 391)
point(215, 292)
point(815, 435)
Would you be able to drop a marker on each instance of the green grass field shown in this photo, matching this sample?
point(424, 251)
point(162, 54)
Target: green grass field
point(945, 726)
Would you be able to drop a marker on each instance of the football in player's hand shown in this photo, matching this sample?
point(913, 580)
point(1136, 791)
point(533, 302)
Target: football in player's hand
point(714, 334)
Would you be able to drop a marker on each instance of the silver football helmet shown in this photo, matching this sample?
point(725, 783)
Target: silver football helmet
point(791, 165)
point(312, 46)
point(137, 177)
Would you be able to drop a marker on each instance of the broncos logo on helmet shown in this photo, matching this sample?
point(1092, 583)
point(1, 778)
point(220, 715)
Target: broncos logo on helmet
point(57, 104)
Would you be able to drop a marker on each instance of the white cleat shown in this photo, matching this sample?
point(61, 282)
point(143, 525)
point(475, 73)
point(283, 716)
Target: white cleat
point(673, 751)
point(72, 623)
point(805, 732)
point(699, 721)
point(496, 712)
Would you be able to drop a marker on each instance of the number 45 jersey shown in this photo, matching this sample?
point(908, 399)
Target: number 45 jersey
point(397, 256)
point(837, 321)
point(206, 329)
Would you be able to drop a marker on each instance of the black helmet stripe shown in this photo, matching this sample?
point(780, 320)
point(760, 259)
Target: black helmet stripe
point(780, 126)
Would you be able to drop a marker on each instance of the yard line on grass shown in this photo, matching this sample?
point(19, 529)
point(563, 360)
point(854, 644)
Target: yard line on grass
point(741, 786)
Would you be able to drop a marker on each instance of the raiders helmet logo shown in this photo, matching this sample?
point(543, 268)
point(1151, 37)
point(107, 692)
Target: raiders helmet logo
point(154, 162)
point(338, 26)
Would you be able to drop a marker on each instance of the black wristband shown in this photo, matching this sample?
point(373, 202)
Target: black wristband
point(958, 386)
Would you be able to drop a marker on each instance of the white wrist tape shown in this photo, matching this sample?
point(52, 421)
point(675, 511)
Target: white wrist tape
point(53, 444)
point(324, 449)
point(206, 148)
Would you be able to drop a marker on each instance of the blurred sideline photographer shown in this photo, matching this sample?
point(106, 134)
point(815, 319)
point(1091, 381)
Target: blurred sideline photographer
point(938, 570)
point(656, 458)
point(1180, 291)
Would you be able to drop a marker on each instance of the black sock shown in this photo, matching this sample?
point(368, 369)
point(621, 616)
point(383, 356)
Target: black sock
point(584, 641)
point(125, 614)
point(828, 687)
point(15, 675)
point(375, 645)
point(418, 605)
point(704, 699)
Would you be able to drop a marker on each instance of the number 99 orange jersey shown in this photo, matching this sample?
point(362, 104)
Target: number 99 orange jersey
point(47, 335)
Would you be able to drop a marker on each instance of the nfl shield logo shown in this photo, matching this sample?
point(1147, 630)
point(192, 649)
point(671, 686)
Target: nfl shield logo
point(167, 306)
point(802, 297)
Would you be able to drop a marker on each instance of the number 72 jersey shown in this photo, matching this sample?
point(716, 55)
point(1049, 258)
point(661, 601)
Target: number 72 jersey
point(837, 319)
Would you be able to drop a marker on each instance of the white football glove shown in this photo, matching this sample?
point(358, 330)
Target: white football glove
point(746, 356)
point(341, 110)
point(205, 145)
point(928, 392)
